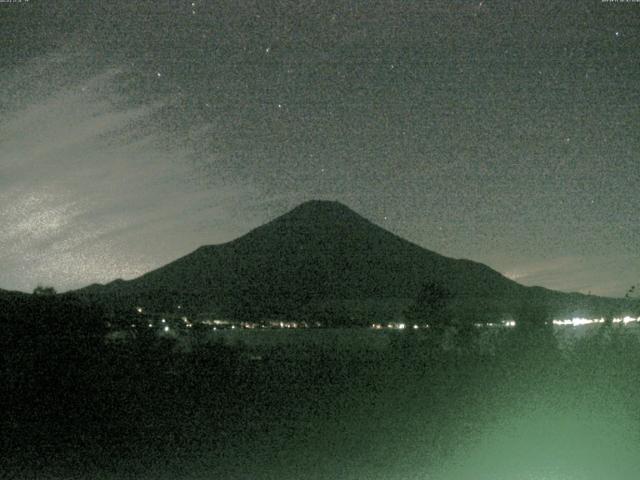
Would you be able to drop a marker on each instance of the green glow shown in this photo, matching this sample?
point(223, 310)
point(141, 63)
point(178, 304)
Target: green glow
point(555, 442)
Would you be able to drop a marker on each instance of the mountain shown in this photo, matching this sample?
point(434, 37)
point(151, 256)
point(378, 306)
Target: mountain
point(323, 260)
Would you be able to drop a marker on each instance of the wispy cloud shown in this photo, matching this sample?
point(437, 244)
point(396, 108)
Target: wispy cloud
point(92, 188)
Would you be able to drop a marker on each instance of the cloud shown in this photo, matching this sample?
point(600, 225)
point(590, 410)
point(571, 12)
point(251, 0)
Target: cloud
point(91, 186)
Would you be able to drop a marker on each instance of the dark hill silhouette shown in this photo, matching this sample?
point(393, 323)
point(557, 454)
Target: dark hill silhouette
point(322, 257)
point(6, 294)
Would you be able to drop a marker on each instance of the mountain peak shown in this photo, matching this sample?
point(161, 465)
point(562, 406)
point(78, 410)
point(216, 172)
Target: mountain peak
point(322, 205)
point(318, 210)
point(310, 221)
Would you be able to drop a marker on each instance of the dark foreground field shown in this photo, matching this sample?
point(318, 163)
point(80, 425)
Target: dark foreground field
point(521, 409)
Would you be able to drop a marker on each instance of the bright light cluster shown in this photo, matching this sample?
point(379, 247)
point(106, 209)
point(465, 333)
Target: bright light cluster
point(570, 322)
point(577, 321)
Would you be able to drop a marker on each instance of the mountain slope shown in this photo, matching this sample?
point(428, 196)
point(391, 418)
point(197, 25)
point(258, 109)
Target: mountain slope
point(319, 255)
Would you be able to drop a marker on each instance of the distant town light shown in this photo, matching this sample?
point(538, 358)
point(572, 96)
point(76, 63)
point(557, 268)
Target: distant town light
point(580, 321)
point(139, 309)
point(166, 328)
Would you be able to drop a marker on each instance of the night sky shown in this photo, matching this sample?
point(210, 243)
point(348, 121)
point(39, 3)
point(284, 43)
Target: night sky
point(505, 132)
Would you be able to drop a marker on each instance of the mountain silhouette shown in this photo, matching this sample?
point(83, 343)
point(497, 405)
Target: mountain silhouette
point(322, 259)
